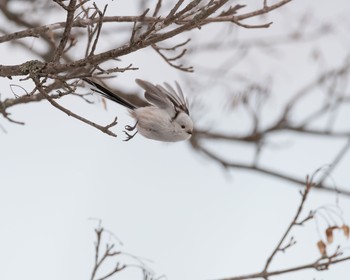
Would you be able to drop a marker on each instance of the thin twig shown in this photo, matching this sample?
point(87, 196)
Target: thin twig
point(66, 34)
point(309, 185)
point(99, 27)
point(322, 263)
point(104, 129)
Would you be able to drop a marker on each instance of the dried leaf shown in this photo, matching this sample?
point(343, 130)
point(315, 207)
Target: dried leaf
point(329, 234)
point(104, 104)
point(322, 247)
point(346, 230)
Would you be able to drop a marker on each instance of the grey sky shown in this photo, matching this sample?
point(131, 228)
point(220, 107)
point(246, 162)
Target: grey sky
point(166, 203)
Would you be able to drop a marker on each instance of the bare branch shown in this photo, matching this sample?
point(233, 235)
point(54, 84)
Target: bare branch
point(279, 247)
point(322, 263)
point(171, 59)
point(99, 26)
point(269, 172)
point(66, 34)
point(104, 129)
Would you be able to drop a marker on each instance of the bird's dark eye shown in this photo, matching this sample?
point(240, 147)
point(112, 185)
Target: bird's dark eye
point(183, 126)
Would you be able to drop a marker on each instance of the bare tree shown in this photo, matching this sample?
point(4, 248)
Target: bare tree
point(58, 69)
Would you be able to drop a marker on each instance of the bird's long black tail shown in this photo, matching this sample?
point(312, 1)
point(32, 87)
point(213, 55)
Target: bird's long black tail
point(109, 95)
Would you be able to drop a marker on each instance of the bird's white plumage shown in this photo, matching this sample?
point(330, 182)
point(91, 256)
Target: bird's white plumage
point(165, 119)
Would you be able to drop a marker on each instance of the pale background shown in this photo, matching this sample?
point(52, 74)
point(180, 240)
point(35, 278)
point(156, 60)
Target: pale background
point(186, 214)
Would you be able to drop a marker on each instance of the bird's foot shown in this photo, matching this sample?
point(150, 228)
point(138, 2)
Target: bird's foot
point(129, 136)
point(131, 128)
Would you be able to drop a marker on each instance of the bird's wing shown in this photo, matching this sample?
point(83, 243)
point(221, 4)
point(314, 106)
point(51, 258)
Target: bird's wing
point(178, 96)
point(166, 99)
point(155, 95)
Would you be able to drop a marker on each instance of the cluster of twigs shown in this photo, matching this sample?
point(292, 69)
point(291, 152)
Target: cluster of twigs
point(57, 67)
point(334, 99)
point(287, 241)
point(108, 253)
point(106, 256)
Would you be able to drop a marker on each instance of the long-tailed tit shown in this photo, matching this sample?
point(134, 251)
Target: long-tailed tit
point(166, 118)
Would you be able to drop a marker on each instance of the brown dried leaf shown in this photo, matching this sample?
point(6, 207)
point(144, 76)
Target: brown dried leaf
point(104, 104)
point(346, 230)
point(322, 247)
point(329, 234)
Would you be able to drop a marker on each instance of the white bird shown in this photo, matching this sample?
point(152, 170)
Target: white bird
point(166, 118)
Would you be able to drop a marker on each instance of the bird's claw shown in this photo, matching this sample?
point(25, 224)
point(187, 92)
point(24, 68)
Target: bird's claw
point(129, 136)
point(129, 127)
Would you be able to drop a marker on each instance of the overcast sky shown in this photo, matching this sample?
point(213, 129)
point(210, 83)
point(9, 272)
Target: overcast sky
point(185, 214)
